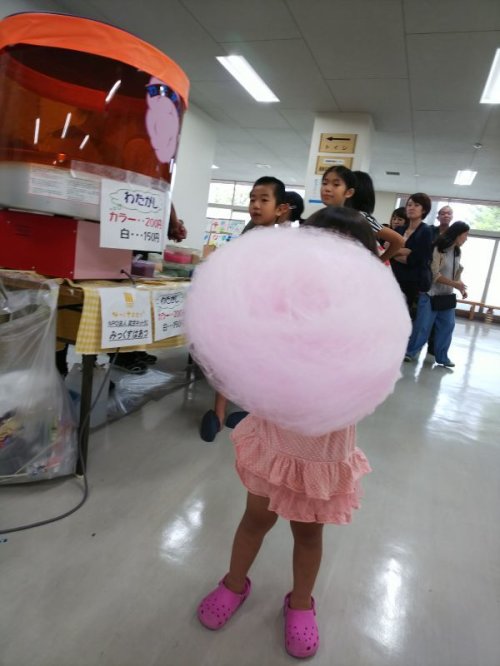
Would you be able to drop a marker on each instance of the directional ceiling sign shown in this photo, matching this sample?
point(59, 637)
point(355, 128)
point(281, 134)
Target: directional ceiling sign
point(337, 143)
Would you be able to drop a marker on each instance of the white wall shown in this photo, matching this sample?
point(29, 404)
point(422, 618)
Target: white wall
point(385, 203)
point(193, 174)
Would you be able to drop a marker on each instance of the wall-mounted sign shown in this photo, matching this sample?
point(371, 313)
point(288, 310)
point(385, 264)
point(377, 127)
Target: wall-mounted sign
point(337, 143)
point(324, 163)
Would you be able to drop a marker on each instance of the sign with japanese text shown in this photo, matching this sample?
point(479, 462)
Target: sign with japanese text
point(168, 307)
point(132, 216)
point(125, 317)
point(60, 184)
point(337, 143)
point(324, 163)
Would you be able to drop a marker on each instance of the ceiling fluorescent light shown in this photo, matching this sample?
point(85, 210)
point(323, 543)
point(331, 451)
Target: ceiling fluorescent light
point(248, 78)
point(214, 166)
point(491, 92)
point(465, 177)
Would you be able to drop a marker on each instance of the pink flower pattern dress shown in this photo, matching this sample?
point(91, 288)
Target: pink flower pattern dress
point(307, 479)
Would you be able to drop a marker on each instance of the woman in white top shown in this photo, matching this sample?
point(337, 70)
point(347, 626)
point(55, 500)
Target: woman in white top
point(446, 276)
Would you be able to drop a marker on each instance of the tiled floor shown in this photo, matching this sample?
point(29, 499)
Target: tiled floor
point(414, 581)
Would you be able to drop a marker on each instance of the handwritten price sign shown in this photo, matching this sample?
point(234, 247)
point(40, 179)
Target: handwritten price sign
point(132, 216)
point(168, 306)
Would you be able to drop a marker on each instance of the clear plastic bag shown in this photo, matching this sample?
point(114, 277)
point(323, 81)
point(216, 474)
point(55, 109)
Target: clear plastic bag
point(37, 426)
point(131, 391)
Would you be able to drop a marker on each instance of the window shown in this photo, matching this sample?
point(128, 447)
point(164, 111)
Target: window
point(229, 200)
point(493, 292)
point(242, 194)
point(476, 259)
point(218, 213)
point(221, 193)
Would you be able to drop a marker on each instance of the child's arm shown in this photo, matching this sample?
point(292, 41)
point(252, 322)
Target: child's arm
point(395, 240)
point(402, 255)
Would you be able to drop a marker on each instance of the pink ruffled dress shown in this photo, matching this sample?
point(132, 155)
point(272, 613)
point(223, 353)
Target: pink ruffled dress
point(307, 479)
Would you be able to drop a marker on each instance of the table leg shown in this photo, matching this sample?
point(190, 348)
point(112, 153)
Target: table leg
point(88, 362)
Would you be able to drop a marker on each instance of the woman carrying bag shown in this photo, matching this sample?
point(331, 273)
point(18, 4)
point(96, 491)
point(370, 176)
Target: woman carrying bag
point(437, 306)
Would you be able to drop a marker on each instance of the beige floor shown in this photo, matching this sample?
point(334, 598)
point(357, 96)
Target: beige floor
point(414, 581)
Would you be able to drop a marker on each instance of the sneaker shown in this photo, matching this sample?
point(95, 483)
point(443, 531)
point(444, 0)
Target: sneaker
point(447, 363)
point(408, 358)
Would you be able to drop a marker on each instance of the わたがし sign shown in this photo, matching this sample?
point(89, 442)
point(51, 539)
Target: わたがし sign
point(168, 307)
point(132, 216)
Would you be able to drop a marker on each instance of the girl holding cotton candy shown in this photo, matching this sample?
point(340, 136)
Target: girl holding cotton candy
point(290, 347)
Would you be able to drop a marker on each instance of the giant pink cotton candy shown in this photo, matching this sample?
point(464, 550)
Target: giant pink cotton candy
point(302, 327)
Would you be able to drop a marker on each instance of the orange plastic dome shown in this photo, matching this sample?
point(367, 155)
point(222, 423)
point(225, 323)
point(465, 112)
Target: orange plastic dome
point(79, 95)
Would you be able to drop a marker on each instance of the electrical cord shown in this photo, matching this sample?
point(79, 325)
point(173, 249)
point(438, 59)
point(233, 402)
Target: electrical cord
point(85, 489)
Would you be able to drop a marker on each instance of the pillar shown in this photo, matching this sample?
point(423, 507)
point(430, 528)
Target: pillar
point(337, 138)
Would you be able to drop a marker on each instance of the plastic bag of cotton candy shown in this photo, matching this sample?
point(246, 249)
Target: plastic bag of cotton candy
point(303, 327)
point(37, 428)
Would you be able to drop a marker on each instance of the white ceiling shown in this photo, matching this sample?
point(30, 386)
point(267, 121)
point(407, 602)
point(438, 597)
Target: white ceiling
point(417, 66)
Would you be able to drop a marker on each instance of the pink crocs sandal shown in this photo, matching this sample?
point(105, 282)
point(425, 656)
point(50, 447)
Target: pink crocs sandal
point(221, 604)
point(301, 630)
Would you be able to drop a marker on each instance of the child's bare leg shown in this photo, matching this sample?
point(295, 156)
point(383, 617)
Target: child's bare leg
point(307, 551)
point(220, 408)
point(255, 524)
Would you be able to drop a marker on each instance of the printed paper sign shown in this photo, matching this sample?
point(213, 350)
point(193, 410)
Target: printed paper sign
point(60, 184)
point(132, 216)
point(315, 190)
point(125, 317)
point(323, 163)
point(168, 306)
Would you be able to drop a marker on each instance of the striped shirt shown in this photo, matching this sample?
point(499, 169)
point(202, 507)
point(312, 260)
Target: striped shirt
point(374, 224)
